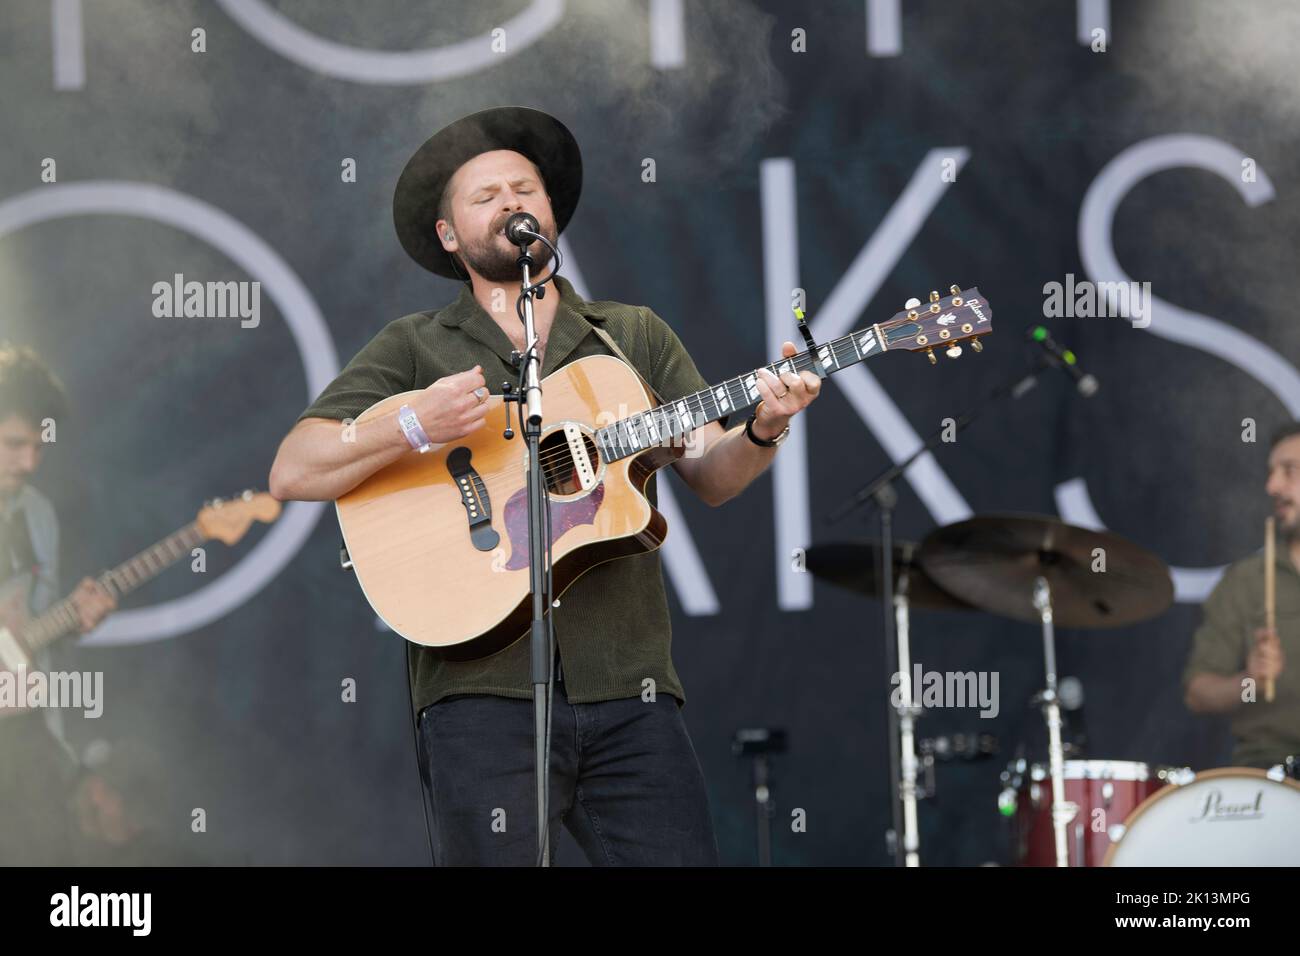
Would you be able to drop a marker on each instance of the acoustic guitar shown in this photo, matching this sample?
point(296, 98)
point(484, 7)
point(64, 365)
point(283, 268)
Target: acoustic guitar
point(439, 541)
point(21, 638)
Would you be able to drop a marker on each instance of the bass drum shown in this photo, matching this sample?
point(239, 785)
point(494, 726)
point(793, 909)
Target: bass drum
point(1234, 816)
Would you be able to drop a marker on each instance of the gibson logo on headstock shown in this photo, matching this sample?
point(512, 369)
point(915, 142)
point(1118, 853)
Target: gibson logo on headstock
point(1216, 809)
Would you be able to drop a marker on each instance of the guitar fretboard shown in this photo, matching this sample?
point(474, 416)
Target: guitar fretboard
point(62, 618)
point(648, 429)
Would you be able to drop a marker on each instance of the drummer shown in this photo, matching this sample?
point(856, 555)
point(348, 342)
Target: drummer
point(1232, 648)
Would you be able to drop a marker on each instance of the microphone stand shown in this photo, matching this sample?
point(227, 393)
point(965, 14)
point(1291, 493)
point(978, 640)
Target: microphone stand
point(902, 767)
point(542, 666)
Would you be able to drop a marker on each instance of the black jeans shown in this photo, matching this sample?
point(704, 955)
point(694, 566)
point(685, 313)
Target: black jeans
point(624, 779)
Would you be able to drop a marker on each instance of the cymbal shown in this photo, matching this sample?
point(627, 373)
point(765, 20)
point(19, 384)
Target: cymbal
point(992, 561)
point(855, 566)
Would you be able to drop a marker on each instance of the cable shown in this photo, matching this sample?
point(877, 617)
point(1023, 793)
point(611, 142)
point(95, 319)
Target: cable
point(419, 763)
point(548, 596)
point(558, 260)
point(549, 591)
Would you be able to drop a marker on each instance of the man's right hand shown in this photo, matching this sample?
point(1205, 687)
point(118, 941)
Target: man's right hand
point(1265, 660)
point(450, 409)
point(321, 461)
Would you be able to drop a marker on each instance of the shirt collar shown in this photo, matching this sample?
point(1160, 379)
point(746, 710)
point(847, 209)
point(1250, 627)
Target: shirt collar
point(19, 499)
point(571, 325)
point(1282, 555)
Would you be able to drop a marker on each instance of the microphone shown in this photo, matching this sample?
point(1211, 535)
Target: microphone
point(1064, 358)
point(518, 228)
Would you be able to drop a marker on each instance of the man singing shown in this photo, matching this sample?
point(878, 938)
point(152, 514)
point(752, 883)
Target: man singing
point(624, 776)
point(1233, 651)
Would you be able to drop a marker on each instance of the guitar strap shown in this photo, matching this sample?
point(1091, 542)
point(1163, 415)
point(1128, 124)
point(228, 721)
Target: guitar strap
point(17, 553)
point(618, 353)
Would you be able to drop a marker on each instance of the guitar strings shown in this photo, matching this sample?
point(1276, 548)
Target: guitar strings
point(694, 402)
point(554, 463)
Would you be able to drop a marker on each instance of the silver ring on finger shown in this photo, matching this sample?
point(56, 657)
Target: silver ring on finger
point(481, 394)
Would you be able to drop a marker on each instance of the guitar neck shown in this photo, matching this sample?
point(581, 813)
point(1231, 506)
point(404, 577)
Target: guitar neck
point(636, 433)
point(62, 619)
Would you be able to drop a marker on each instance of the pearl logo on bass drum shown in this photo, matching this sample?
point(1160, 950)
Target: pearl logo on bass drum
point(1216, 809)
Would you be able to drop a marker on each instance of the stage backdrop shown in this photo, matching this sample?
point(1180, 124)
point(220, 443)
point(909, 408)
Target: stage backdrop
point(862, 152)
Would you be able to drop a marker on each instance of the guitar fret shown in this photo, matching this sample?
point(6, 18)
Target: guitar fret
point(716, 413)
point(699, 416)
point(684, 416)
point(735, 383)
point(847, 342)
point(721, 399)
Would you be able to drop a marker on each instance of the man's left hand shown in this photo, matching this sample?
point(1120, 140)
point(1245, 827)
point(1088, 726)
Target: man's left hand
point(783, 397)
point(93, 603)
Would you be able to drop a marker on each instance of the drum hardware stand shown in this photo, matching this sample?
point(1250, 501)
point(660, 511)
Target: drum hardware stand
point(881, 490)
point(945, 748)
point(907, 712)
point(886, 499)
point(758, 743)
point(1062, 811)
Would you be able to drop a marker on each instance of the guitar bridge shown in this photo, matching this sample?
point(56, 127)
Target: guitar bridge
point(474, 498)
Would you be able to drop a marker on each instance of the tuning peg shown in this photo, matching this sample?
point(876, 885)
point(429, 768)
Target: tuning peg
point(911, 303)
point(977, 345)
point(954, 351)
point(954, 290)
point(929, 353)
point(934, 296)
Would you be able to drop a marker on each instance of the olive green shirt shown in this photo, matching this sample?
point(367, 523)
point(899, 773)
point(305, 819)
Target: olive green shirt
point(1265, 733)
point(612, 627)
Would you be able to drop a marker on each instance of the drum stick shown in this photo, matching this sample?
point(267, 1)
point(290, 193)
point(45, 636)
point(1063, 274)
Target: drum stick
point(1270, 595)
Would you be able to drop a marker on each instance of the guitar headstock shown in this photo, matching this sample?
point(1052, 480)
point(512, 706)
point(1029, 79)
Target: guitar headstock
point(943, 322)
point(228, 519)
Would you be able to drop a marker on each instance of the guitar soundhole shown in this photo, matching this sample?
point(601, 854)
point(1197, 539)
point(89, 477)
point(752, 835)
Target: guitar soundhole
point(558, 465)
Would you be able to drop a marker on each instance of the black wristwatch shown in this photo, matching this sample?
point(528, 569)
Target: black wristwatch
point(763, 443)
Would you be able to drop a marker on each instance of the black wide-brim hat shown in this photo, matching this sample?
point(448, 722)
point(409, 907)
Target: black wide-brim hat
point(540, 137)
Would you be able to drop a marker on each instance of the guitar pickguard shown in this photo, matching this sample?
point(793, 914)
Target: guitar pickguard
point(12, 656)
point(565, 514)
